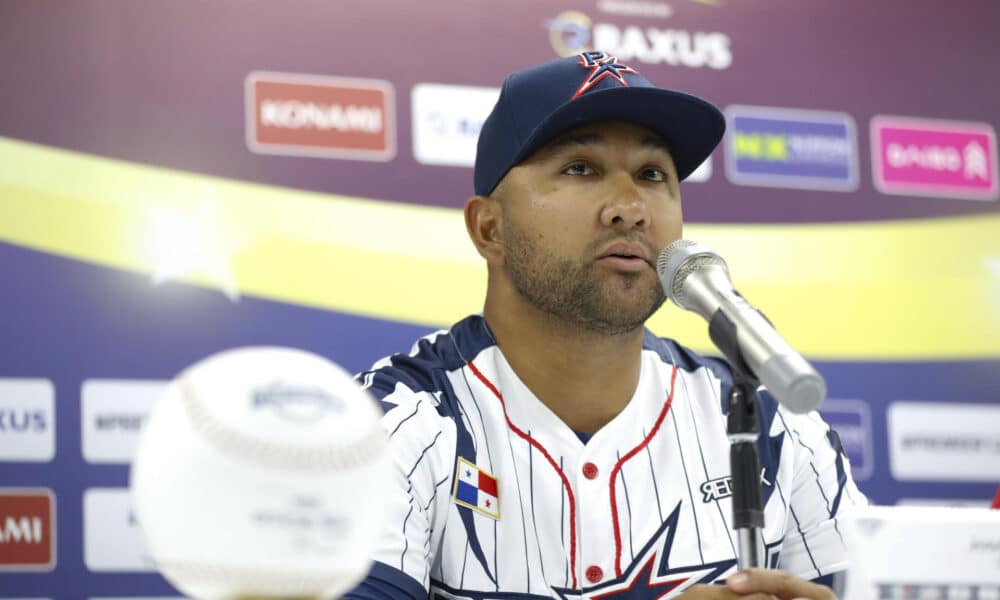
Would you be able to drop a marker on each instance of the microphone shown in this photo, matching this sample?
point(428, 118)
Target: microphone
point(697, 279)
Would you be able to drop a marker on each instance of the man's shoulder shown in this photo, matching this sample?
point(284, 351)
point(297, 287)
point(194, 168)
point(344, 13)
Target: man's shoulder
point(675, 354)
point(672, 353)
point(423, 371)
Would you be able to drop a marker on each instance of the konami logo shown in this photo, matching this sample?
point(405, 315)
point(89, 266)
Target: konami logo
point(27, 529)
point(309, 115)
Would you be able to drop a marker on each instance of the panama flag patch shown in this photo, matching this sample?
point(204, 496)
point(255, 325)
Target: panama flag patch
point(476, 489)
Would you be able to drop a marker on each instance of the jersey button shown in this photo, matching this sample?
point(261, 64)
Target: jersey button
point(594, 574)
point(590, 472)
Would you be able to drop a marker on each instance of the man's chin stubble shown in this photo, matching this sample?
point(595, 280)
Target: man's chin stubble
point(603, 315)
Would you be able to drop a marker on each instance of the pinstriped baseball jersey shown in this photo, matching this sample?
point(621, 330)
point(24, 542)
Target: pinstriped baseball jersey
point(496, 497)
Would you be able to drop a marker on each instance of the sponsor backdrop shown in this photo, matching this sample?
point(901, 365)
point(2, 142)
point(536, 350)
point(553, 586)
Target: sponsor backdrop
point(178, 178)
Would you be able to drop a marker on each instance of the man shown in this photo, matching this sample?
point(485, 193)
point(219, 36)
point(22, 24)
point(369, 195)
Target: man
point(552, 447)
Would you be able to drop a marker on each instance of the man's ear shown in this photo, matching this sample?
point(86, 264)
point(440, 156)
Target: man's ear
point(484, 222)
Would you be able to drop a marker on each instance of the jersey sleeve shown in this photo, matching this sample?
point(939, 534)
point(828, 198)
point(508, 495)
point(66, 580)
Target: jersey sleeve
point(387, 583)
point(823, 490)
point(418, 442)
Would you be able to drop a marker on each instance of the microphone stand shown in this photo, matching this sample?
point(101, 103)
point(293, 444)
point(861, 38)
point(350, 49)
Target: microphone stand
point(743, 429)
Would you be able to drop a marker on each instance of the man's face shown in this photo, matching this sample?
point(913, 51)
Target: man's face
point(584, 219)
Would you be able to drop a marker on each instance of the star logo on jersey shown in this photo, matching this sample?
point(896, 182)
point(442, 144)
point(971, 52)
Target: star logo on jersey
point(602, 66)
point(649, 586)
point(650, 575)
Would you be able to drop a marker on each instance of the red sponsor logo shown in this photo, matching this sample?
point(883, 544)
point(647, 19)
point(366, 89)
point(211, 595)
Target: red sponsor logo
point(309, 115)
point(27, 529)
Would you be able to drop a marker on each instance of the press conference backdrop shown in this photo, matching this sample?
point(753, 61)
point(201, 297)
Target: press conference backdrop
point(179, 178)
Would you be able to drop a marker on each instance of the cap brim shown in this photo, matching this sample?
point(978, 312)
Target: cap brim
point(690, 126)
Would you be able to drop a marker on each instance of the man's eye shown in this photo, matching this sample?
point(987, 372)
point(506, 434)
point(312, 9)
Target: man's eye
point(651, 174)
point(580, 168)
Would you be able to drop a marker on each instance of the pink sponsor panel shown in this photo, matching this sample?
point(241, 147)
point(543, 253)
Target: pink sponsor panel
point(929, 157)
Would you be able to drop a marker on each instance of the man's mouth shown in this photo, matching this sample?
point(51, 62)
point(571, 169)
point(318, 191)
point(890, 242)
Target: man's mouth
point(625, 255)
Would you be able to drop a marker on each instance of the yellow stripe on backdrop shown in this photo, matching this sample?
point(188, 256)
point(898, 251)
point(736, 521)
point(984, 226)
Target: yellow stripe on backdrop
point(912, 290)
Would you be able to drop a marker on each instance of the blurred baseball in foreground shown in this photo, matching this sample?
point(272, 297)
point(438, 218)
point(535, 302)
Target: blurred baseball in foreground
point(261, 472)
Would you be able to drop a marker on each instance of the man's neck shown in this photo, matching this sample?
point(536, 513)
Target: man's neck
point(585, 377)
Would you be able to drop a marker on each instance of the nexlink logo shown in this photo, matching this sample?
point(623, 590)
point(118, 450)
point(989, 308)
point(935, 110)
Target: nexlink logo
point(572, 32)
point(786, 148)
point(783, 147)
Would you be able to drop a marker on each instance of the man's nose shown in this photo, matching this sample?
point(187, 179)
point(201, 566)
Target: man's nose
point(625, 206)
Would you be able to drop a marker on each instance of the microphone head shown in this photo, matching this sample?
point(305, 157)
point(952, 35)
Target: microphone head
point(794, 382)
point(678, 260)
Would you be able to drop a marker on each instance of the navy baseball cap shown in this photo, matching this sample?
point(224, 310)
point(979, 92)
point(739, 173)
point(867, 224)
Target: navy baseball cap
point(542, 102)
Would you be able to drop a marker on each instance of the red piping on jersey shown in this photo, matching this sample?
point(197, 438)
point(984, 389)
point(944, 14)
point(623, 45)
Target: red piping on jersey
point(545, 453)
point(622, 460)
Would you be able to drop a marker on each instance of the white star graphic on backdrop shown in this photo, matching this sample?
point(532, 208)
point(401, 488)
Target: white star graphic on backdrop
point(994, 266)
point(194, 243)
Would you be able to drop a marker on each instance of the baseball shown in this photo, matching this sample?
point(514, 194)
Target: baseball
point(262, 472)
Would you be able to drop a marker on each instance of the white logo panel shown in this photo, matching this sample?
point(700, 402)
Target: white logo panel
point(944, 441)
point(852, 420)
point(447, 120)
point(702, 173)
point(112, 540)
point(27, 420)
point(113, 412)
